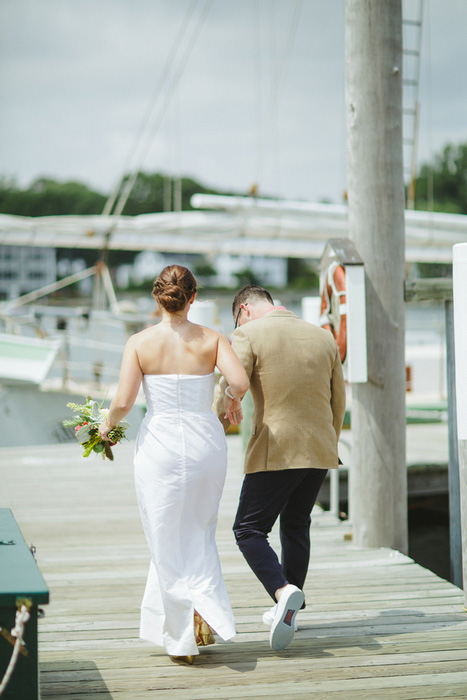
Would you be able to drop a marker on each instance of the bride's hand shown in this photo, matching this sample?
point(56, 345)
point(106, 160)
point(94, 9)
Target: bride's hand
point(104, 429)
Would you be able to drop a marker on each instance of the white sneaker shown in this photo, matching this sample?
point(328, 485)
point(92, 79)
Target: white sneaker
point(268, 617)
point(283, 626)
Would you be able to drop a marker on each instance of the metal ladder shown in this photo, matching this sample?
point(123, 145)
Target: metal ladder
point(412, 40)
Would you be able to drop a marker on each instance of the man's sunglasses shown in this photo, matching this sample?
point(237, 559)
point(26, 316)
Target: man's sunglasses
point(238, 314)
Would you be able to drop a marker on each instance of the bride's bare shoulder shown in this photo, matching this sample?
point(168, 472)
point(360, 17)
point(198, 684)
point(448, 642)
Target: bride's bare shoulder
point(144, 335)
point(207, 333)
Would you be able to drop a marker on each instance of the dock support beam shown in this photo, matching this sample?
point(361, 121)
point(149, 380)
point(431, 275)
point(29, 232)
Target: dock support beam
point(459, 283)
point(378, 489)
point(455, 538)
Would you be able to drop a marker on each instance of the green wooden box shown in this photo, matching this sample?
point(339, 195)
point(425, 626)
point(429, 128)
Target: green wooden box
point(20, 579)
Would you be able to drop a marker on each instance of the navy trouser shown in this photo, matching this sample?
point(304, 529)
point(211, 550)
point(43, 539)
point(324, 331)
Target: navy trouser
point(290, 494)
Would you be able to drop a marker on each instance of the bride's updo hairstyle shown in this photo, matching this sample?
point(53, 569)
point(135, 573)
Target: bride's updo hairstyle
point(174, 288)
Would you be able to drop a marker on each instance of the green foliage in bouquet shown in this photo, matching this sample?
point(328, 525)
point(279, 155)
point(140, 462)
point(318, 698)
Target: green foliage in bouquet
point(86, 422)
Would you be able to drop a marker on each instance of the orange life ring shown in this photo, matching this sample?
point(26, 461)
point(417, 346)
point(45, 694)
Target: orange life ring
point(334, 305)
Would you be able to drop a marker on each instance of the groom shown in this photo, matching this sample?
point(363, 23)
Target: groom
point(298, 391)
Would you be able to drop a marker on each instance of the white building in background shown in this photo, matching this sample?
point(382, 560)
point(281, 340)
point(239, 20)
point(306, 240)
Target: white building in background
point(148, 264)
point(269, 271)
point(24, 269)
point(66, 267)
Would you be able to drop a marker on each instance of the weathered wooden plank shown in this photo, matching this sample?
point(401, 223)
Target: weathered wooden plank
point(305, 620)
point(300, 687)
point(164, 679)
point(409, 694)
point(422, 693)
point(320, 669)
point(439, 289)
point(249, 616)
point(235, 566)
point(119, 639)
point(129, 630)
point(120, 608)
point(100, 596)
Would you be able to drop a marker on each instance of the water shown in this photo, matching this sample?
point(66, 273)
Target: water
point(93, 341)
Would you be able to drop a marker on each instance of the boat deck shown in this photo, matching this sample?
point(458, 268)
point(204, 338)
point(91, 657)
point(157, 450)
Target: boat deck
point(377, 624)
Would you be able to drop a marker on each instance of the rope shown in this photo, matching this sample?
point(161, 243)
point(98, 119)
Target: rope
point(22, 616)
point(154, 97)
point(178, 72)
point(175, 80)
point(278, 81)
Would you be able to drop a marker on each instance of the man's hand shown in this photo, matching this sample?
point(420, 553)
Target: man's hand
point(233, 410)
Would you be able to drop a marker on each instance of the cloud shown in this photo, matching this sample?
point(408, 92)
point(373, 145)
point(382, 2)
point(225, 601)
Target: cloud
point(76, 78)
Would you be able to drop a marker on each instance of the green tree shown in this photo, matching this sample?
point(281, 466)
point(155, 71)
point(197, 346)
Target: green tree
point(246, 276)
point(47, 197)
point(302, 274)
point(203, 268)
point(147, 195)
point(446, 177)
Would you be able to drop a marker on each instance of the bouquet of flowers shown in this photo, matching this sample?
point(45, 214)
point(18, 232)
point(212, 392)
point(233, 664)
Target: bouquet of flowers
point(86, 421)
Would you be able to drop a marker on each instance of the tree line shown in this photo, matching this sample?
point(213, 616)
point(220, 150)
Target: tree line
point(49, 197)
point(441, 186)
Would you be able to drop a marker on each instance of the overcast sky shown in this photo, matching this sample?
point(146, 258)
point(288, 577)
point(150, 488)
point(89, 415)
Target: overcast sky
point(76, 77)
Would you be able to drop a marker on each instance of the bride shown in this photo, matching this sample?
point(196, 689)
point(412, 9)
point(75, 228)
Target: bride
point(180, 464)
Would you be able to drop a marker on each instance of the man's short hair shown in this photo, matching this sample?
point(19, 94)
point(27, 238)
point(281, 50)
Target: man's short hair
point(249, 293)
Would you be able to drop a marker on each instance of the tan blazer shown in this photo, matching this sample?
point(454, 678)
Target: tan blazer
point(298, 391)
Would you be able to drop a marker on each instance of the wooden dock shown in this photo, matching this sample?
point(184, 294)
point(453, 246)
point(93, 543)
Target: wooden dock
point(377, 625)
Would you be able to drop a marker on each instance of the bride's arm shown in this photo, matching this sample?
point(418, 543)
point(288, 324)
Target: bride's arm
point(128, 387)
point(236, 378)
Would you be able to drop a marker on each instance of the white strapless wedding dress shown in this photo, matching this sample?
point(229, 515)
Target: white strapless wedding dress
point(180, 465)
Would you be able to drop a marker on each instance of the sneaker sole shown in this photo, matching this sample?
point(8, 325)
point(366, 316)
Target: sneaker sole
point(282, 632)
point(268, 622)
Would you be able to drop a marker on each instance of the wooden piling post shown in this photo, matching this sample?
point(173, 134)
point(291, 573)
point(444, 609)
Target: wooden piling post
point(455, 539)
point(459, 281)
point(378, 493)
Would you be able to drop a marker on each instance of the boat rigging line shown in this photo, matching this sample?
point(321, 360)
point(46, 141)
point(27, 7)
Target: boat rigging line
point(150, 107)
point(278, 81)
point(177, 74)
